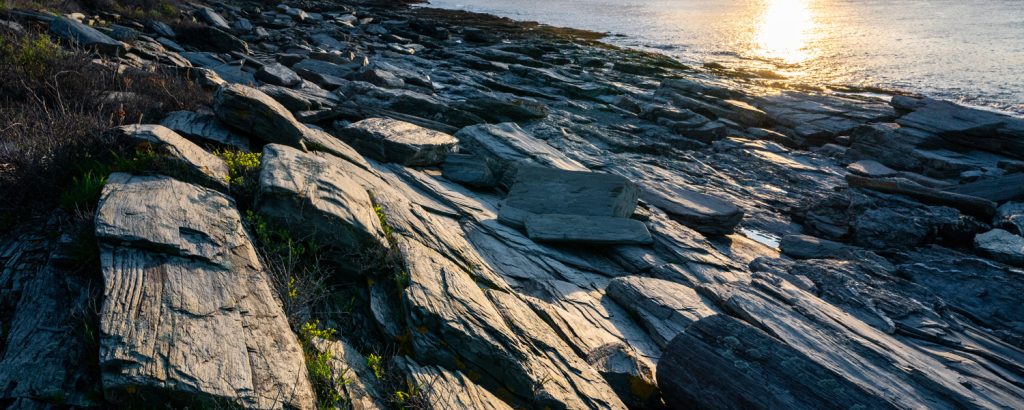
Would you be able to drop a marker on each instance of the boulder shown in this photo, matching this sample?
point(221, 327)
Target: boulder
point(809, 247)
point(508, 145)
point(318, 140)
point(311, 195)
point(664, 308)
point(540, 190)
point(1002, 246)
point(586, 229)
point(704, 213)
point(255, 113)
point(212, 18)
point(967, 126)
point(723, 363)
point(84, 36)
point(448, 389)
point(278, 74)
point(1010, 217)
point(189, 316)
point(900, 186)
point(871, 168)
point(204, 127)
point(504, 107)
point(195, 162)
point(468, 170)
point(997, 189)
point(389, 140)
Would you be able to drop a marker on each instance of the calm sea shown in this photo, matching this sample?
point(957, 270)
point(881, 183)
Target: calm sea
point(970, 51)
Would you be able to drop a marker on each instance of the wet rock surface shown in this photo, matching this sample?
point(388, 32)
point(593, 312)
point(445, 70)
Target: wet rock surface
point(569, 233)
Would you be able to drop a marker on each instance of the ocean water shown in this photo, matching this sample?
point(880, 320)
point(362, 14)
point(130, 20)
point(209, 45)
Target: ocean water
point(969, 51)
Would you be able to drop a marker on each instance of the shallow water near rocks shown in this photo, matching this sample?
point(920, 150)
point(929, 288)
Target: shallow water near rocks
point(966, 51)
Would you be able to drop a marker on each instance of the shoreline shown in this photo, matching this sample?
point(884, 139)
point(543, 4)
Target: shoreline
point(409, 207)
point(749, 71)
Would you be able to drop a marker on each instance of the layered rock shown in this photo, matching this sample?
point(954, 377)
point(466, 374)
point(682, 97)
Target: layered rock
point(195, 162)
point(552, 191)
point(390, 140)
point(189, 315)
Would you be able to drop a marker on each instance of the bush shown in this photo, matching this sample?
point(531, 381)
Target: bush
point(55, 106)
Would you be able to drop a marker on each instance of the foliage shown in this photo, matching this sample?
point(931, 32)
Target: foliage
point(242, 165)
point(84, 191)
point(325, 383)
point(389, 232)
point(30, 54)
point(375, 363)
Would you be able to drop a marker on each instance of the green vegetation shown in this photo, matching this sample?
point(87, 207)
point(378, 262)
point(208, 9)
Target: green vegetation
point(325, 383)
point(84, 191)
point(30, 54)
point(242, 166)
point(375, 363)
point(389, 232)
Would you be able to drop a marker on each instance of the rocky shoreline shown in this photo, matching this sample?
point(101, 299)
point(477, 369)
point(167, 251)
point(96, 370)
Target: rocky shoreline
point(573, 225)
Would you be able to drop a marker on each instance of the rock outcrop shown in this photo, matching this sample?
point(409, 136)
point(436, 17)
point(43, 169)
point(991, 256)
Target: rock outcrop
point(188, 314)
point(390, 140)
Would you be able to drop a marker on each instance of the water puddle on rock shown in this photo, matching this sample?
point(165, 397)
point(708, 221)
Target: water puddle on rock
point(763, 238)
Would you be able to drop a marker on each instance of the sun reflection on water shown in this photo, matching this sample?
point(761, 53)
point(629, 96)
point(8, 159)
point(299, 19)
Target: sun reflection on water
point(783, 31)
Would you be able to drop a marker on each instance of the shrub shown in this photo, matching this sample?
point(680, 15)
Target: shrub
point(243, 172)
point(55, 107)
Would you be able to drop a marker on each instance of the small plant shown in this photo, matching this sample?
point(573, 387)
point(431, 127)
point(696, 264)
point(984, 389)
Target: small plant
point(243, 170)
point(318, 363)
point(388, 230)
point(30, 54)
point(84, 192)
point(376, 365)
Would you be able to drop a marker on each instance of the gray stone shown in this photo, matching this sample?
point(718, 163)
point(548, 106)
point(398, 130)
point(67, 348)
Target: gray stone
point(704, 213)
point(723, 363)
point(468, 170)
point(161, 29)
point(664, 308)
point(871, 168)
point(278, 74)
point(189, 316)
point(554, 191)
point(389, 140)
point(509, 146)
point(204, 127)
point(809, 247)
point(255, 113)
point(312, 196)
point(381, 77)
point(212, 18)
point(1010, 217)
point(997, 189)
point(1002, 246)
point(318, 140)
point(307, 97)
point(968, 127)
point(203, 166)
point(586, 229)
point(84, 36)
point(446, 389)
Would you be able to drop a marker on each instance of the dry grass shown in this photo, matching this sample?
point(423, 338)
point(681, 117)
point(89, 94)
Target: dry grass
point(55, 105)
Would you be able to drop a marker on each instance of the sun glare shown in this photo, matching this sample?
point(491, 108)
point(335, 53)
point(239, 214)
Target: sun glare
point(783, 30)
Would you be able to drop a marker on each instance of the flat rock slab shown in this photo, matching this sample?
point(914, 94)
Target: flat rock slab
point(554, 191)
point(967, 126)
point(197, 163)
point(1002, 246)
point(809, 247)
point(587, 229)
point(664, 308)
point(212, 18)
point(871, 168)
point(468, 170)
point(999, 189)
point(313, 196)
point(84, 36)
point(255, 113)
point(189, 316)
point(447, 389)
point(204, 127)
point(278, 74)
point(401, 142)
point(723, 363)
point(704, 213)
point(510, 146)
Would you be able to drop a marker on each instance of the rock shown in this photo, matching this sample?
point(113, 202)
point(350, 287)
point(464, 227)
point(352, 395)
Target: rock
point(215, 39)
point(809, 247)
point(509, 146)
point(1010, 217)
point(122, 33)
point(664, 308)
point(212, 18)
point(704, 213)
point(900, 186)
point(161, 29)
point(996, 189)
point(307, 97)
point(196, 163)
point(381, 77)
point(204, 127)
point(631, 377)
point(242, 26)
point(554, 191)
point(84, 36)
point(278, 74)
point(968, 127)
point(360, 388)
point(255, 113)
point(189, 316)
point(446, 389)
point(503, 107)
point(311, 69)
point(587, 229)
point(311, 195)
point(723, 363)
point(1001, 246)
point(468, 170)
point(871, 168)
point(389, 140)
point(317, 140)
